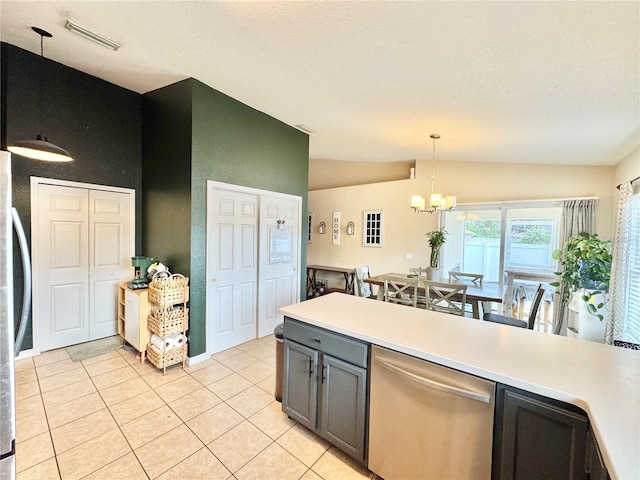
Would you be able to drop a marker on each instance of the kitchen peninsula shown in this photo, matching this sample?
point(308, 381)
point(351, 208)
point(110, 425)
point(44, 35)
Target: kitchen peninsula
point(601, 380)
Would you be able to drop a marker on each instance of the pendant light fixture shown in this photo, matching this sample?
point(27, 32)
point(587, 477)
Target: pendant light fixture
point(40, 148)
point(437, 202)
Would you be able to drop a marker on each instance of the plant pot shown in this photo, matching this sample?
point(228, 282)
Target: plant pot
point(589, 327)
point(434, 274)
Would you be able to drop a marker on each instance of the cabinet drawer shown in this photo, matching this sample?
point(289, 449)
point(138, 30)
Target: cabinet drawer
point(339, 346)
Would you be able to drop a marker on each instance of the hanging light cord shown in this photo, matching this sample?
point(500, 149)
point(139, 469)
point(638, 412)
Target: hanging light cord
point(433, 162)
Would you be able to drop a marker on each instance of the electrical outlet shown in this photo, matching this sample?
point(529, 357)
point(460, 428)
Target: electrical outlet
point(408, 257)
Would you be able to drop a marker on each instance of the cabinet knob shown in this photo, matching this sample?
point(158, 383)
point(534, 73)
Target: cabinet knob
point(213, 280)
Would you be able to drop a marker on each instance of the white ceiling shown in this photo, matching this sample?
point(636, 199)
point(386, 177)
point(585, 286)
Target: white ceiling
point(536, 82)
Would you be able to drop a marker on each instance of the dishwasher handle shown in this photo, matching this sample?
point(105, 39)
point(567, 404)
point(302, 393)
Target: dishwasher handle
point(427, 382)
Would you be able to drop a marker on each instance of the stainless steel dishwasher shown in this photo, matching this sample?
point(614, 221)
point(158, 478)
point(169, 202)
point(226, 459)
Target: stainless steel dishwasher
point(427, 421)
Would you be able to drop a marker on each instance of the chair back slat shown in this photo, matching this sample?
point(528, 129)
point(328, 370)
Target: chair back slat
point(446, 297)
point(535, 306)
point(401, 290)
point(418, 271)
point(462, 276)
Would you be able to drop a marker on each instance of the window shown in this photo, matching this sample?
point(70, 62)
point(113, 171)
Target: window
point(309, 227)
point(510, 243)
point(492, 239)
point(372, 232)
point(627, 295)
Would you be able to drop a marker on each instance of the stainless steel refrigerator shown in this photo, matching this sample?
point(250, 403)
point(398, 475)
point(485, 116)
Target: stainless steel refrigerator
point(10, 345)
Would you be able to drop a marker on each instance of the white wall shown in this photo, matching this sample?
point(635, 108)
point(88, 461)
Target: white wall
point(472, 182)
point(628, 168)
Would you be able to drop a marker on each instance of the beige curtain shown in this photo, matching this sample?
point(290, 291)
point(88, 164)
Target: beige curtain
point(577, 216)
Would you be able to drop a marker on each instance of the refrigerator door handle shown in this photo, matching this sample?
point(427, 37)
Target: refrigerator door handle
point(26, 275)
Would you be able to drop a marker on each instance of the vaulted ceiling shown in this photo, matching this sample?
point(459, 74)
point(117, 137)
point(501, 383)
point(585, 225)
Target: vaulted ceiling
point(535, 82)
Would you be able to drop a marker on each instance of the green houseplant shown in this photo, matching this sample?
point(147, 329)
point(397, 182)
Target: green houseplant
point(585, 262)
point(437, 238)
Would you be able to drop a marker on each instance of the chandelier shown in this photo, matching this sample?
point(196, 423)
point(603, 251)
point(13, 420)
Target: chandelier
point(437, 202)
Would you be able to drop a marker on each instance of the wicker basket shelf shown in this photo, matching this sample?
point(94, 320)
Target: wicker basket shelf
point(164, 359)
point(168, 297)
point(164, 322)
point(166, 292)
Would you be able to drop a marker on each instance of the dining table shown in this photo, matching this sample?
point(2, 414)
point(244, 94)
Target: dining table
point(487, 292)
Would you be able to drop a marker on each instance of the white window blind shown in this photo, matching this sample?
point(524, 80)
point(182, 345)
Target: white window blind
point(627, 297)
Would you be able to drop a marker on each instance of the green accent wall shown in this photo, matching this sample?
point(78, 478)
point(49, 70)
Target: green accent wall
point(230, 142)
point(99, 123)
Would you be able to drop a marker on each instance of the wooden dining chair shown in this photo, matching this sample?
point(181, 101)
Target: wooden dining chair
point(463, 277)
point(446, 297)
point(475, 279)
point(362, 289)
point(515, 322)
point(401, 290)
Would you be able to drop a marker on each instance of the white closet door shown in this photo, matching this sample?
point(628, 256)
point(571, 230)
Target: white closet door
point(279, 245)
point(61, 303)
point(231, 268)
point(83, 239)
point(110, 251)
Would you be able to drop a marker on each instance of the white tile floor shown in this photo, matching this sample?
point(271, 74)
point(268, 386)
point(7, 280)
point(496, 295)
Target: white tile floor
point(109, 417)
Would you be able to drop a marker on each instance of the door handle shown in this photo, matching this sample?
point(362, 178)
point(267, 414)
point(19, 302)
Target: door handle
point(427, 382)
point(310, 367)
point(26, 278)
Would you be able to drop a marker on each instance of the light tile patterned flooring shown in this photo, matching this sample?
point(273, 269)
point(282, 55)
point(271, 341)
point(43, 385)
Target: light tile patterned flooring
point(109, 417)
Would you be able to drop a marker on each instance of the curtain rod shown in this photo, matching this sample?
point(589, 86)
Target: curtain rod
point(632, 181)
point(541, 200)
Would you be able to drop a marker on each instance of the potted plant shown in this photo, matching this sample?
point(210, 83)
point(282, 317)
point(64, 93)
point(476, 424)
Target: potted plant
point(437, 238)
point(586, 264)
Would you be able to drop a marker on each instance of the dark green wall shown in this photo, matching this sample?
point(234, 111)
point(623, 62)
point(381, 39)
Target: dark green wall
point(230, 142)
point(99, 123)
point(167, 175)
point(192, 134)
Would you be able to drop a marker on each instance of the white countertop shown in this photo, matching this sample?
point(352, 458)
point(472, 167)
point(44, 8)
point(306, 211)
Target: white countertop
point(602, 380)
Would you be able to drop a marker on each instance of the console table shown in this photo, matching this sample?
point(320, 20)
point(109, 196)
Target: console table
point(348, 273)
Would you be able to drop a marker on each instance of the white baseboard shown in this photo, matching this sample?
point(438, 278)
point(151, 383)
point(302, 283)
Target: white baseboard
point(198, 358)
point(27, 354)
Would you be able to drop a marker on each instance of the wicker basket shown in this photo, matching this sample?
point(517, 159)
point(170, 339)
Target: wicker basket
point(165, 292)
point(164, 359)
point(171, 282)
point(164, 322)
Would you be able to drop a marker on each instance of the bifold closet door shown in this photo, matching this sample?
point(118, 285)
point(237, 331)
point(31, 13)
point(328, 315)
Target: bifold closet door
point(82, 243)
point(232, 246)
point(109, 258)
point(279, 245)
point(61, 305)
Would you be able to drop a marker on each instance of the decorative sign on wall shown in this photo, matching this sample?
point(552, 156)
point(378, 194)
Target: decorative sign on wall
point(335, 229)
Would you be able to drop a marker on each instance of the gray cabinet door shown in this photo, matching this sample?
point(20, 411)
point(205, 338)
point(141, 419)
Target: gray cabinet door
point(300, 393)
point(537, 438)
point(343, 405)
point(596, 468)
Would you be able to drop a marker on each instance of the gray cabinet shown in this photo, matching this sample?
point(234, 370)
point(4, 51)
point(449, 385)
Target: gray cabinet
point(537, 437)
point(300, 388)
point(596, 470)
point(324, 388)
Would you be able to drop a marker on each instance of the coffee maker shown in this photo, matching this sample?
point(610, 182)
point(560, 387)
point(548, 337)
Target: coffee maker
point(140, 266)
